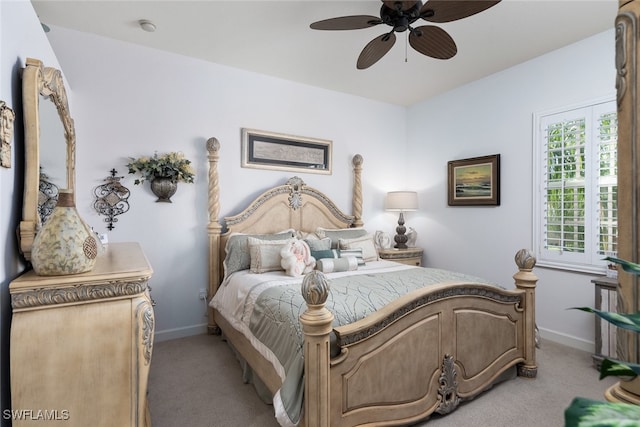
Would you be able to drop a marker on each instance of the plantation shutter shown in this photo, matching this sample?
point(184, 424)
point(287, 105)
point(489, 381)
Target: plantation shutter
point(607, 183)
point(578, 198)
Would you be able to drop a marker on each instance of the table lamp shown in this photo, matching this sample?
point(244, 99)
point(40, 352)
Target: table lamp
point(401, 201)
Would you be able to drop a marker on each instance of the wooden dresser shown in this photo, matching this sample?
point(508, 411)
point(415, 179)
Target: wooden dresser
point(81, 344)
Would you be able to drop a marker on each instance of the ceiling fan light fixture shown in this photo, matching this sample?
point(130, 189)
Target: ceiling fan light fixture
point(147, 25)
point(428, 40)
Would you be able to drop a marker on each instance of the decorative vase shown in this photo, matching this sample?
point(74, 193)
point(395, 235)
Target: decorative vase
point(164, 188)
point(64, 245)
point(412, 237)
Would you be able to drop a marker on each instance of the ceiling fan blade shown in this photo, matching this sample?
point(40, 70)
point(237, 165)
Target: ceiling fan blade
point(433, 41)
point(354, 22)
point(405, 5)
point(452, 10)
point(375, 50)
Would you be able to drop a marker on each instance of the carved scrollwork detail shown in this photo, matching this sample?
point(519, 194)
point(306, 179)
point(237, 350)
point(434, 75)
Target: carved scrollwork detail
point(621, 59)
point(148, 324)
point(448, 390)
point(295, 196)
point(76, 293)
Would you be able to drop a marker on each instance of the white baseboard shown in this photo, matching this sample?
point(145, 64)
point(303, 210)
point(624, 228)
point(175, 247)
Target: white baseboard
point(568, 340)
point(187, 331)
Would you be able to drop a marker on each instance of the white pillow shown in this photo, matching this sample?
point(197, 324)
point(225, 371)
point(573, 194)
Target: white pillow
point(369, 252)
point(265, 254)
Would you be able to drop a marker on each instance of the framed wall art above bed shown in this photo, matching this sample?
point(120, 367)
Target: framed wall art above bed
point(270, 150)
point(474, 181)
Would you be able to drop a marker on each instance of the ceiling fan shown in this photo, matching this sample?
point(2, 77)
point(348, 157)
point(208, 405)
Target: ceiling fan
point(429, 40)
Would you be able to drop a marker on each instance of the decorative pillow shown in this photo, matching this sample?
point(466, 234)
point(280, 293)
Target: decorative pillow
point(237, 256)
point(329, 253)
point(369, 252)
point(296, 259)
point(335, 234)
point(329, 265)
point(265, 254)
point(340, 253)
point(355, 252)
point(319, 244)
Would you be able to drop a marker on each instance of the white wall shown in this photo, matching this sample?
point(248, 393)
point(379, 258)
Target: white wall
point(494, 116)
point(132, 101)
point(21, 36)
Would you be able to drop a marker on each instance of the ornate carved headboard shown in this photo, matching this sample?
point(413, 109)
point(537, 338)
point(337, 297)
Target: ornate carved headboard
point(291, 205)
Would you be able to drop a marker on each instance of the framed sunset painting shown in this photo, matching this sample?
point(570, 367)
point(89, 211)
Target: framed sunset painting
point(474, 181)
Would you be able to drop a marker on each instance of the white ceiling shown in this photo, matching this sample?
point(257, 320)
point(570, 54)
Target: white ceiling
point(274, 38)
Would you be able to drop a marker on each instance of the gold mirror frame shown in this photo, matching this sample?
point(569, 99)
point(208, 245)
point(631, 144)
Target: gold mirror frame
point(38, 80)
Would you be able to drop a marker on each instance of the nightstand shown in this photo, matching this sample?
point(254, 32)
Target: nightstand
point(409, 256)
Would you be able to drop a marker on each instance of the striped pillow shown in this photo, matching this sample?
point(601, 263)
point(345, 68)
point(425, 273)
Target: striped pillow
point(330, 265)
point(339, 253)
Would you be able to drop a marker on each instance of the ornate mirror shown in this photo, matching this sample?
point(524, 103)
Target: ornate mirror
point(50, 147)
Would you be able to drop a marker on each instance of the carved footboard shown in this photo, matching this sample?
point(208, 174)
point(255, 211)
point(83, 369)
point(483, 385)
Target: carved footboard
point(424, 353)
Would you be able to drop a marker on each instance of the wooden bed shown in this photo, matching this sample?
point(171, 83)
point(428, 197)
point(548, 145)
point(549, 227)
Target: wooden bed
point(478, 333)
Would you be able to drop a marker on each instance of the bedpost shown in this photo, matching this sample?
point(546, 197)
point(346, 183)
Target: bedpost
point(357, 190)
point(526, 280)
point(316, 327)
point(214, 229)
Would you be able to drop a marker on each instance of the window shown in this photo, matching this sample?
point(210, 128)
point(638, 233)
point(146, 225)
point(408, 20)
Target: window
point(575, 186)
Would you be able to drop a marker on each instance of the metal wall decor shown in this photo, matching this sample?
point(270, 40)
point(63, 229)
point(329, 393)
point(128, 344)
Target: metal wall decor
point(111, 199)
point(7, 117)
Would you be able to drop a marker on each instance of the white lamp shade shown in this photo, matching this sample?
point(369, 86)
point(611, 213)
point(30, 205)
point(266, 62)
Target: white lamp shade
point(402, 201)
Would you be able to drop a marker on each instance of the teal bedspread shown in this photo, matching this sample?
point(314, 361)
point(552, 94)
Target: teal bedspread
point(271, 309)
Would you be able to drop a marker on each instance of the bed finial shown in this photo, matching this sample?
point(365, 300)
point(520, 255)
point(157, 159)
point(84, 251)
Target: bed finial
point(357, 190)
point(315, 288)
point(525, 260)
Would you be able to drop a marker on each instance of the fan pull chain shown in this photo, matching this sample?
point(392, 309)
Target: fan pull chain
point(406, 42)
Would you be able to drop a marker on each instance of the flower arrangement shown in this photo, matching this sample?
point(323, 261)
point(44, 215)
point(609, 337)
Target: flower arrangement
point(170, 165)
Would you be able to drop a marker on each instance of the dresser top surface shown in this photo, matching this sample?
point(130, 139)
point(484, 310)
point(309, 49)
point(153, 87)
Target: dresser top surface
point(120, 261)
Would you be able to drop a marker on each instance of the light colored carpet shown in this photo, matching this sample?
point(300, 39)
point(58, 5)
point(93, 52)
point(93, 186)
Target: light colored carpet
point(197, 382)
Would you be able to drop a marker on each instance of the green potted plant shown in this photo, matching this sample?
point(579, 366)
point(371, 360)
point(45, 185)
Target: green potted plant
point(587, 412)
point(163, 171)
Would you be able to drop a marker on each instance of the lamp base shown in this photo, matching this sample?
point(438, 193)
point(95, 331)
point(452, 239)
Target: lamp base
point(401, 238)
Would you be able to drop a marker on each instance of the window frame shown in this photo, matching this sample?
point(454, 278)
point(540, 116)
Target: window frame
point(589, 261)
